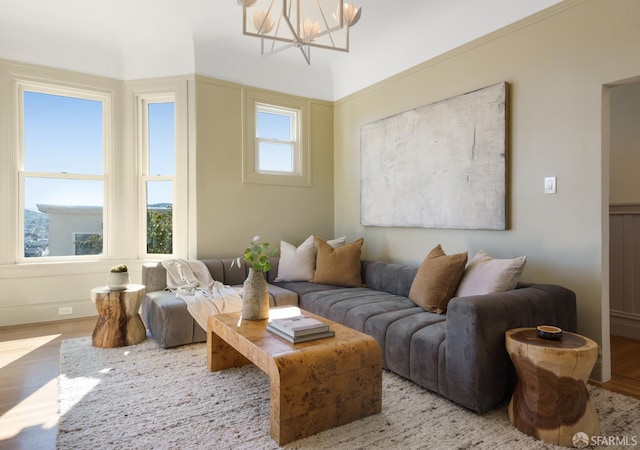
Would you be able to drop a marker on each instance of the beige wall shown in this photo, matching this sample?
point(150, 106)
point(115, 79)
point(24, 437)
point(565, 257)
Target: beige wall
point(625, 144)
point(230, 212)
point(224, 213)
point(556, 63)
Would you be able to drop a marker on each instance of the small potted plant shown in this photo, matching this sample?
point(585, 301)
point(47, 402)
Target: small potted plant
point(258, 255)
point(255, 296)
point(118, 278)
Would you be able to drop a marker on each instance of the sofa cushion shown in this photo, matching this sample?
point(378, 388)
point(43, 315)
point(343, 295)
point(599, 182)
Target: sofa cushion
point(169, 321)
point(279, 296)
point(392, 278)
point(339, 266)
point(297, 263)
point(427, 357)
point(348, 305)
point(377, 326)
point(437, 280)
point(402, 335)
point(303, 287)
point(486, 275)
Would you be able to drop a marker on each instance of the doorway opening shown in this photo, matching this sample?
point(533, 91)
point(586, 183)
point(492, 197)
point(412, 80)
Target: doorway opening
point(622, 136)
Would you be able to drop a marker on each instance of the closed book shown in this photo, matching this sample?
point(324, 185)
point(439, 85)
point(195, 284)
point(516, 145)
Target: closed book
point(298, 339)
point(299, 325)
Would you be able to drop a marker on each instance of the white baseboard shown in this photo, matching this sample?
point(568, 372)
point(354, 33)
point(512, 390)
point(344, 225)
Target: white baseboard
point(45, 312)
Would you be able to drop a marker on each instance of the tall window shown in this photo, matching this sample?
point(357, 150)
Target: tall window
point(276, 147)
point(61, 175)
point(158, 129)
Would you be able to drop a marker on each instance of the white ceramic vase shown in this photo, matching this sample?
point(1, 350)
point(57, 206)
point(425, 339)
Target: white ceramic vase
point(117, 281)
point(255, 297)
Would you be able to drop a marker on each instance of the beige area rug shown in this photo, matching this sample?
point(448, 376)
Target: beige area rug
point(145, 397)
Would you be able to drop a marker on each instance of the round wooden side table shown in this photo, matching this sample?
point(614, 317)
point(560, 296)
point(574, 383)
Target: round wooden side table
point(551, 401)
point(119, 323)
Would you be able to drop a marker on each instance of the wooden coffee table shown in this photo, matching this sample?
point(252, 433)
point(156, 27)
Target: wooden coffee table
point(551, 401)
point(315, 385)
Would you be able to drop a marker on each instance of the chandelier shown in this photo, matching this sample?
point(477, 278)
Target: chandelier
point(282, 24)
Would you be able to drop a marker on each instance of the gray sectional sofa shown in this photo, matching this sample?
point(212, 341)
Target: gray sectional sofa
point(460, 355)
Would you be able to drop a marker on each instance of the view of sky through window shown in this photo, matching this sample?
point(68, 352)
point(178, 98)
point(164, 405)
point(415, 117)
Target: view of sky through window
point(162, 140)
point(162, 161)
point(64, 135)
point(275, 134)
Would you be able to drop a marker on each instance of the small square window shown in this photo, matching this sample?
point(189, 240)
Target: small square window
point(276, 140)
point(276, 149)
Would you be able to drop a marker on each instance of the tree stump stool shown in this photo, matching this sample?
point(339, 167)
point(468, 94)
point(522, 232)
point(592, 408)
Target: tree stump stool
point(551, 401)
point(119, 323)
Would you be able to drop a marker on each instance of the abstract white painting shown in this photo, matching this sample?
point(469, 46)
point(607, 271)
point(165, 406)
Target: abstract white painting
point(442, 165)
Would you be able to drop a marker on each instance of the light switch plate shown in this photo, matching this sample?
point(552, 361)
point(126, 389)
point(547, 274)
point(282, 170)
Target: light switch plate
point(550, 185)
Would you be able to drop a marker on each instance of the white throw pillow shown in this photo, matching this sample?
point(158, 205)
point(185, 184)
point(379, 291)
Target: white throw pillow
point(297, 263)
point(337, 242)
point(485, 275)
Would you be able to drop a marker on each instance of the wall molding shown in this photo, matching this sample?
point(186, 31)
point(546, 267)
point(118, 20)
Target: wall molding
point(46, 311)
point(625, 324)
point(624, 208)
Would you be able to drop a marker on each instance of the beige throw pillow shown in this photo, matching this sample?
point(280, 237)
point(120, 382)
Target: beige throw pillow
point(297, 263)
point(437, 280)
point(338, 266)
point(485, 275)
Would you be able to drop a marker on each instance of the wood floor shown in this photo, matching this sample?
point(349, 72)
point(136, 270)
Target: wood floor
point(29, 369)
point(30, 365)
point(625, 367)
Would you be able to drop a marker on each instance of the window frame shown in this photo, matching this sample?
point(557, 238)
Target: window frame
point(257, 101)
point(57, 88)
point(293, 141)
point(143, 102)
point(121, 211)
point(141, 94)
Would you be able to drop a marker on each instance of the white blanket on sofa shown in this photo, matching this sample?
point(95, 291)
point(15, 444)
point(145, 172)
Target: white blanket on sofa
point(192, 282)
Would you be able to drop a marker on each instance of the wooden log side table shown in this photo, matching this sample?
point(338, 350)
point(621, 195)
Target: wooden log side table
point(315, 385)
point(551, 401)
point(119, 323)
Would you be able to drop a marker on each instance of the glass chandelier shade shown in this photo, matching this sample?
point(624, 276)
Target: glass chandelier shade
point(281, 24)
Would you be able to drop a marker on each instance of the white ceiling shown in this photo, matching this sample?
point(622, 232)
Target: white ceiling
point(132, 39)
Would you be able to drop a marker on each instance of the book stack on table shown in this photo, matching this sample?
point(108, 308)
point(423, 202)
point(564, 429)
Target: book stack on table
point(300, 328)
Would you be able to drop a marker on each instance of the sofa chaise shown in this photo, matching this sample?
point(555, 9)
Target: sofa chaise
point(460, 355)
